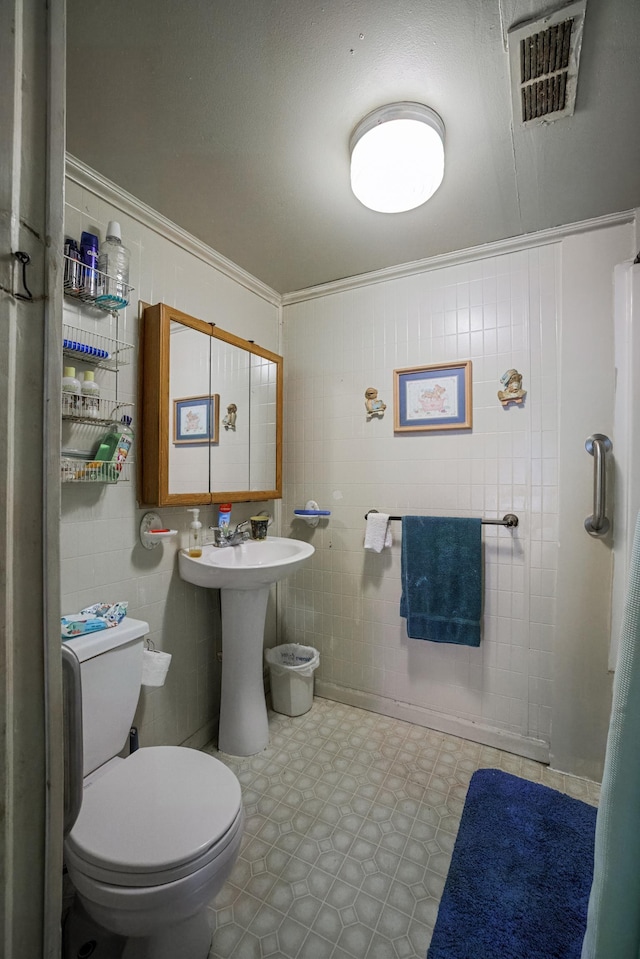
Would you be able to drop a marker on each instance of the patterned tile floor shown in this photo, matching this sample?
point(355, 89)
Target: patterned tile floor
point(351, 822)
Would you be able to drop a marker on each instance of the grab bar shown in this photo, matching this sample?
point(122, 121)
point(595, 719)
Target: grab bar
point(598, 446)
point(73, 755)
point(510, 520)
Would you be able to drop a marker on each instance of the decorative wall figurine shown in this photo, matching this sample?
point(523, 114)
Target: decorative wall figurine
point(374, 406)
point(512, 392)
point(229, 421)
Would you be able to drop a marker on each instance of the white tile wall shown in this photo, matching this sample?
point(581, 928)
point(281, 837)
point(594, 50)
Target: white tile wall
point(102, 558)
point(500, 312)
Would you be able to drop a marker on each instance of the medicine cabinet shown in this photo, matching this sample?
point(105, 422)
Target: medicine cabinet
point(210, 413)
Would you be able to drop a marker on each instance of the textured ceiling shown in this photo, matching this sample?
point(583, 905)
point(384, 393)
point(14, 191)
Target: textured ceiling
point(232, 118)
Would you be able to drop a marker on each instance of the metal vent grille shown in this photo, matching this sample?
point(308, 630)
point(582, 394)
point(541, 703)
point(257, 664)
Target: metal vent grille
point(544, 67)
point(544, 64)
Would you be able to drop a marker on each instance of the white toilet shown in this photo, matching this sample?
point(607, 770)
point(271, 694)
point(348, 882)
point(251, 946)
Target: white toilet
point(159, 831)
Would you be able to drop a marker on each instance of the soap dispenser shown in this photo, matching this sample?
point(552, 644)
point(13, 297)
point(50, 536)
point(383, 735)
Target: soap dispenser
point(195, 534)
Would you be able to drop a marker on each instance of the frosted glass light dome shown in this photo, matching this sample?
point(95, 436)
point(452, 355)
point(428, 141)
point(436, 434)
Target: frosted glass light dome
point(397, 157)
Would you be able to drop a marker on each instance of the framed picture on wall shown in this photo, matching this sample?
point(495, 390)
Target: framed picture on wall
point(196, 420)
point(432, 397)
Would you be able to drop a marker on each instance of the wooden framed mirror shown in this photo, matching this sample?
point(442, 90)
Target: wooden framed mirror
point(211, 413)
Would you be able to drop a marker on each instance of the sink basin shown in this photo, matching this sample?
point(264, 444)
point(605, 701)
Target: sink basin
point(244, 575)
point(254, 564)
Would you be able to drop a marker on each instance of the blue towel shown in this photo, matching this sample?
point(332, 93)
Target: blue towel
point(442, 578)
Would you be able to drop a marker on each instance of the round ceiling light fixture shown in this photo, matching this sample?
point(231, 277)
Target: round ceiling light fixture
point(397, 157)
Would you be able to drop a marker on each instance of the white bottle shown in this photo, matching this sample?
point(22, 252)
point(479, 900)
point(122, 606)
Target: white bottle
point(70, 392)
point(195, 534)
point(113, 260)
point(90, 396)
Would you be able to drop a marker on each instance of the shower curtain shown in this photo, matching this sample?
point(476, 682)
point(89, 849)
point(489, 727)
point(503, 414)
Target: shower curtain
point(613, 921)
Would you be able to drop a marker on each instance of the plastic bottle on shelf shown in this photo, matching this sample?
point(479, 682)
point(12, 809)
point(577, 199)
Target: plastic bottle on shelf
point(114, 263)
point(72, 266)
point(116, 445)
point(89, 255)
point(70, 391)
point(90, 395)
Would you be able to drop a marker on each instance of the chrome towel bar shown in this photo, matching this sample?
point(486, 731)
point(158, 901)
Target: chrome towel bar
point(510, 520)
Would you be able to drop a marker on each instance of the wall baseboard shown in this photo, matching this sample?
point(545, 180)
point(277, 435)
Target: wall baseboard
point(202, 736)
point(419, 715)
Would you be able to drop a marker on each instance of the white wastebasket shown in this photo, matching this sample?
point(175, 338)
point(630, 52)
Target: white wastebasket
point(291, 667)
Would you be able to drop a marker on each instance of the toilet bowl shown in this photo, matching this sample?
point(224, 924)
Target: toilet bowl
point(157, 835)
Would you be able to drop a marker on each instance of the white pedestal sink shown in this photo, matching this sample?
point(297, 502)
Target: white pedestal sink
point(243, 574)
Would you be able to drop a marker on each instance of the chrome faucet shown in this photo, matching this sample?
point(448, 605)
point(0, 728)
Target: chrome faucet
point(222, 536)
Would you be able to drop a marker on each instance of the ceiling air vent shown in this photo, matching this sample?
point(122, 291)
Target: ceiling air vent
point(544, 57)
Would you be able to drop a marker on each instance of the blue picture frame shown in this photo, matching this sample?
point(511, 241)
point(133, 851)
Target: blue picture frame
point(196, 420)
point(433, 397)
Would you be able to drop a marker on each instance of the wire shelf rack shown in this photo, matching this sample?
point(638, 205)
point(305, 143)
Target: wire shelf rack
point(75, 469)
point(101, 290)
point(94, 411)
point(100, 351)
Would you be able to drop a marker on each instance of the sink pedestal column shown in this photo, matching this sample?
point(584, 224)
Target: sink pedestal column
point(244, 727)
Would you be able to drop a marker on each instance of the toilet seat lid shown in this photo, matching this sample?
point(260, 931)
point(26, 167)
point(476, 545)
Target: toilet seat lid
point(161, 807)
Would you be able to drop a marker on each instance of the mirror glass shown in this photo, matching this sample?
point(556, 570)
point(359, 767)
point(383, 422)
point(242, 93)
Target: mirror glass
point(229, 457)
point(262, 437)
point(189, 406)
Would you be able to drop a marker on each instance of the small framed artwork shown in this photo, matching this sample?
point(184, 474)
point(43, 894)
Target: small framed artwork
point(196, 420)
point(433, 397)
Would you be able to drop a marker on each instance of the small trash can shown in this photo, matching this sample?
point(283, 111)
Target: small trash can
point(291, 667)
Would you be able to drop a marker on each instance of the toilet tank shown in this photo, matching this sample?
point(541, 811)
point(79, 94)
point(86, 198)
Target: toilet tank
point(111, 674)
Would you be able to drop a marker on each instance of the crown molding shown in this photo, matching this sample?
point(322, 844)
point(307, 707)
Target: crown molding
point(89, 179)
point(497, 248)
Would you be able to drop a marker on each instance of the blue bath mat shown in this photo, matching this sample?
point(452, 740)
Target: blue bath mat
point(518, 885)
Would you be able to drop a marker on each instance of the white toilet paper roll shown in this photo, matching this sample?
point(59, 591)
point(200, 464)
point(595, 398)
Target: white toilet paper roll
point(155, 666)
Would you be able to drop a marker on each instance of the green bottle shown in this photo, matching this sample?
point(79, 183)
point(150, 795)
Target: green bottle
point(115, 446)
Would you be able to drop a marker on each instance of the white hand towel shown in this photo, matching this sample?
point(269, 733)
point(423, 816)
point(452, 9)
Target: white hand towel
point(378, 532)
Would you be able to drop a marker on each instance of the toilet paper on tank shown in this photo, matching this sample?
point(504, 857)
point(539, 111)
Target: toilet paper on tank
point(155, 666)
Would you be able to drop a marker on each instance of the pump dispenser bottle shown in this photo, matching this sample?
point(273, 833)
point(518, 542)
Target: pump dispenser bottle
point(195, 534)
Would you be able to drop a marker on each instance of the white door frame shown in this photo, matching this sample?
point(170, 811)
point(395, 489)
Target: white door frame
point(32, 68)
point(582, 681)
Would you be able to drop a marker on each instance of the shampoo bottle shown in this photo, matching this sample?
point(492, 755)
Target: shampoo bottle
point(195, 534)
point(70, 391)
point(90, 396)
point(89, 255)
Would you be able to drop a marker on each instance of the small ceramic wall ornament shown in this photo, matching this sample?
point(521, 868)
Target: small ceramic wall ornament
point(373, 405)
point(229, 421)
point(512, 391)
